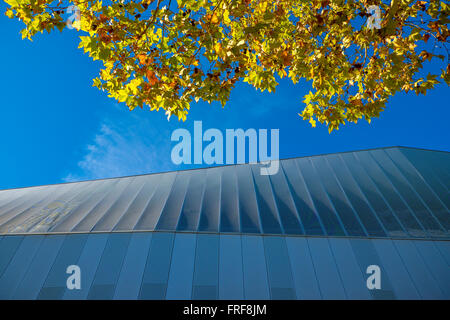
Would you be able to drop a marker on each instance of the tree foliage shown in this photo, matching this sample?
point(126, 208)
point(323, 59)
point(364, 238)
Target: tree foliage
point(166, 54)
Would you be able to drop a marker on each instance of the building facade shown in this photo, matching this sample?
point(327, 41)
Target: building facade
point(371, 224)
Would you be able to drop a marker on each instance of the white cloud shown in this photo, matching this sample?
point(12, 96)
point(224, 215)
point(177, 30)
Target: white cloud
point(126, 147)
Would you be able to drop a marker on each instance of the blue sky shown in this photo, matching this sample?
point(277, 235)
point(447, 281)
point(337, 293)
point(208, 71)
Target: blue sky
point(56, 127)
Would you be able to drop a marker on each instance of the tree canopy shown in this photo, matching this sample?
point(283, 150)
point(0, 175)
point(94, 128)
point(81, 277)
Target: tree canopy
point(166, 54)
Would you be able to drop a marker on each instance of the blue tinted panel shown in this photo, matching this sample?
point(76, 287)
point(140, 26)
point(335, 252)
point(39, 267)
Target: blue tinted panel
point(179, 286)
point(172, 209)
point(55, 284)
point(108, 270)
point(302, 199)
point(417, 181)
point(206, 277)
point(420, 274)
point(229, 202)
point(8, 247)
point(18, 265)
point(255, 273)
point(303, 272)
point(231, 282)
point(444, 249)
point(395, 269)
point(373, 196)
point(357, 199)
point(320, 198)
point(366, 255)
point(436, 264)
point(88, 262)
point(130, 278)
point(209, 217)
point(190, 212)
point(326, 270)
point(408, 194)
point(267, 209)
point(390, 194)
point(352, 278)
point(156, 272)
point(248, 207)
point(278, 268)
point(286, 207)
point(37, 272)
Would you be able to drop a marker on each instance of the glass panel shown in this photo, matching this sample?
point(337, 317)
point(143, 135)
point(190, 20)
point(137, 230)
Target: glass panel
point(137, 207)
point(444, 249)
point(154, 283)
point(100, 191)
point(18, 265)
point(421, 160)
point(366, 255)
point(436, 264)
point(120, 205)
point(266, 203)
point(303, 202)
point(395, 269)
point(410, 196)
point(229, 210)
point(130, 277)
point(88, 262)
point(206, 271)
point(37, 272)
point(285, 204)
point(320, 199)
point(248, 207)
point(93, 216)
point(420, 274)
point(190, 211)
point(8, 248)
point(326, 270)
point(231, 282)
point(390, 194)
point(55, 284)
point(278, 269)
point(152, 212)
point(357, 199)
point(256, 286)
point(439, 209)
point(353, 279)
point(209, 217)
point(172, 209)
point(303, 272)
point(179, 286)
point(108, 270)
point(338, 198)
point(373, 196)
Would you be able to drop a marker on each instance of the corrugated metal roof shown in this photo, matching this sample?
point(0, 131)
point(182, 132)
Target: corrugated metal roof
point(389, 192)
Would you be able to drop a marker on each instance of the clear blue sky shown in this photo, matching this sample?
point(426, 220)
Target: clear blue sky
point(56, 127)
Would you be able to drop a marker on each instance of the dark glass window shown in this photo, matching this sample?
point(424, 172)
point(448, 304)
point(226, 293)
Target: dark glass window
point(355, 196)
point(40, 266)
point(108, 270)
point(154, 283)
point(209, 217)
point(179, 286)
point(55, 283)
point(302, 199)
point(278, 268)
point(229, 202)
point(190, 212)
point(8, 247)
point(321, 201)
point(206, 269)
point(231, 282)
point(304, 275)
point(256, 286)
point(248, 207)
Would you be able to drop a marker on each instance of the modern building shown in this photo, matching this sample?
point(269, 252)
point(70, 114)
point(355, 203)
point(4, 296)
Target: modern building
point(317, 229)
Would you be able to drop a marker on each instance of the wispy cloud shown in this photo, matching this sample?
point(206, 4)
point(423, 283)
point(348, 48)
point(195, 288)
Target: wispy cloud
point(126, 147)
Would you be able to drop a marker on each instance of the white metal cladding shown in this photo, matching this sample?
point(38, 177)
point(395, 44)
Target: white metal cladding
point(387, 192)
